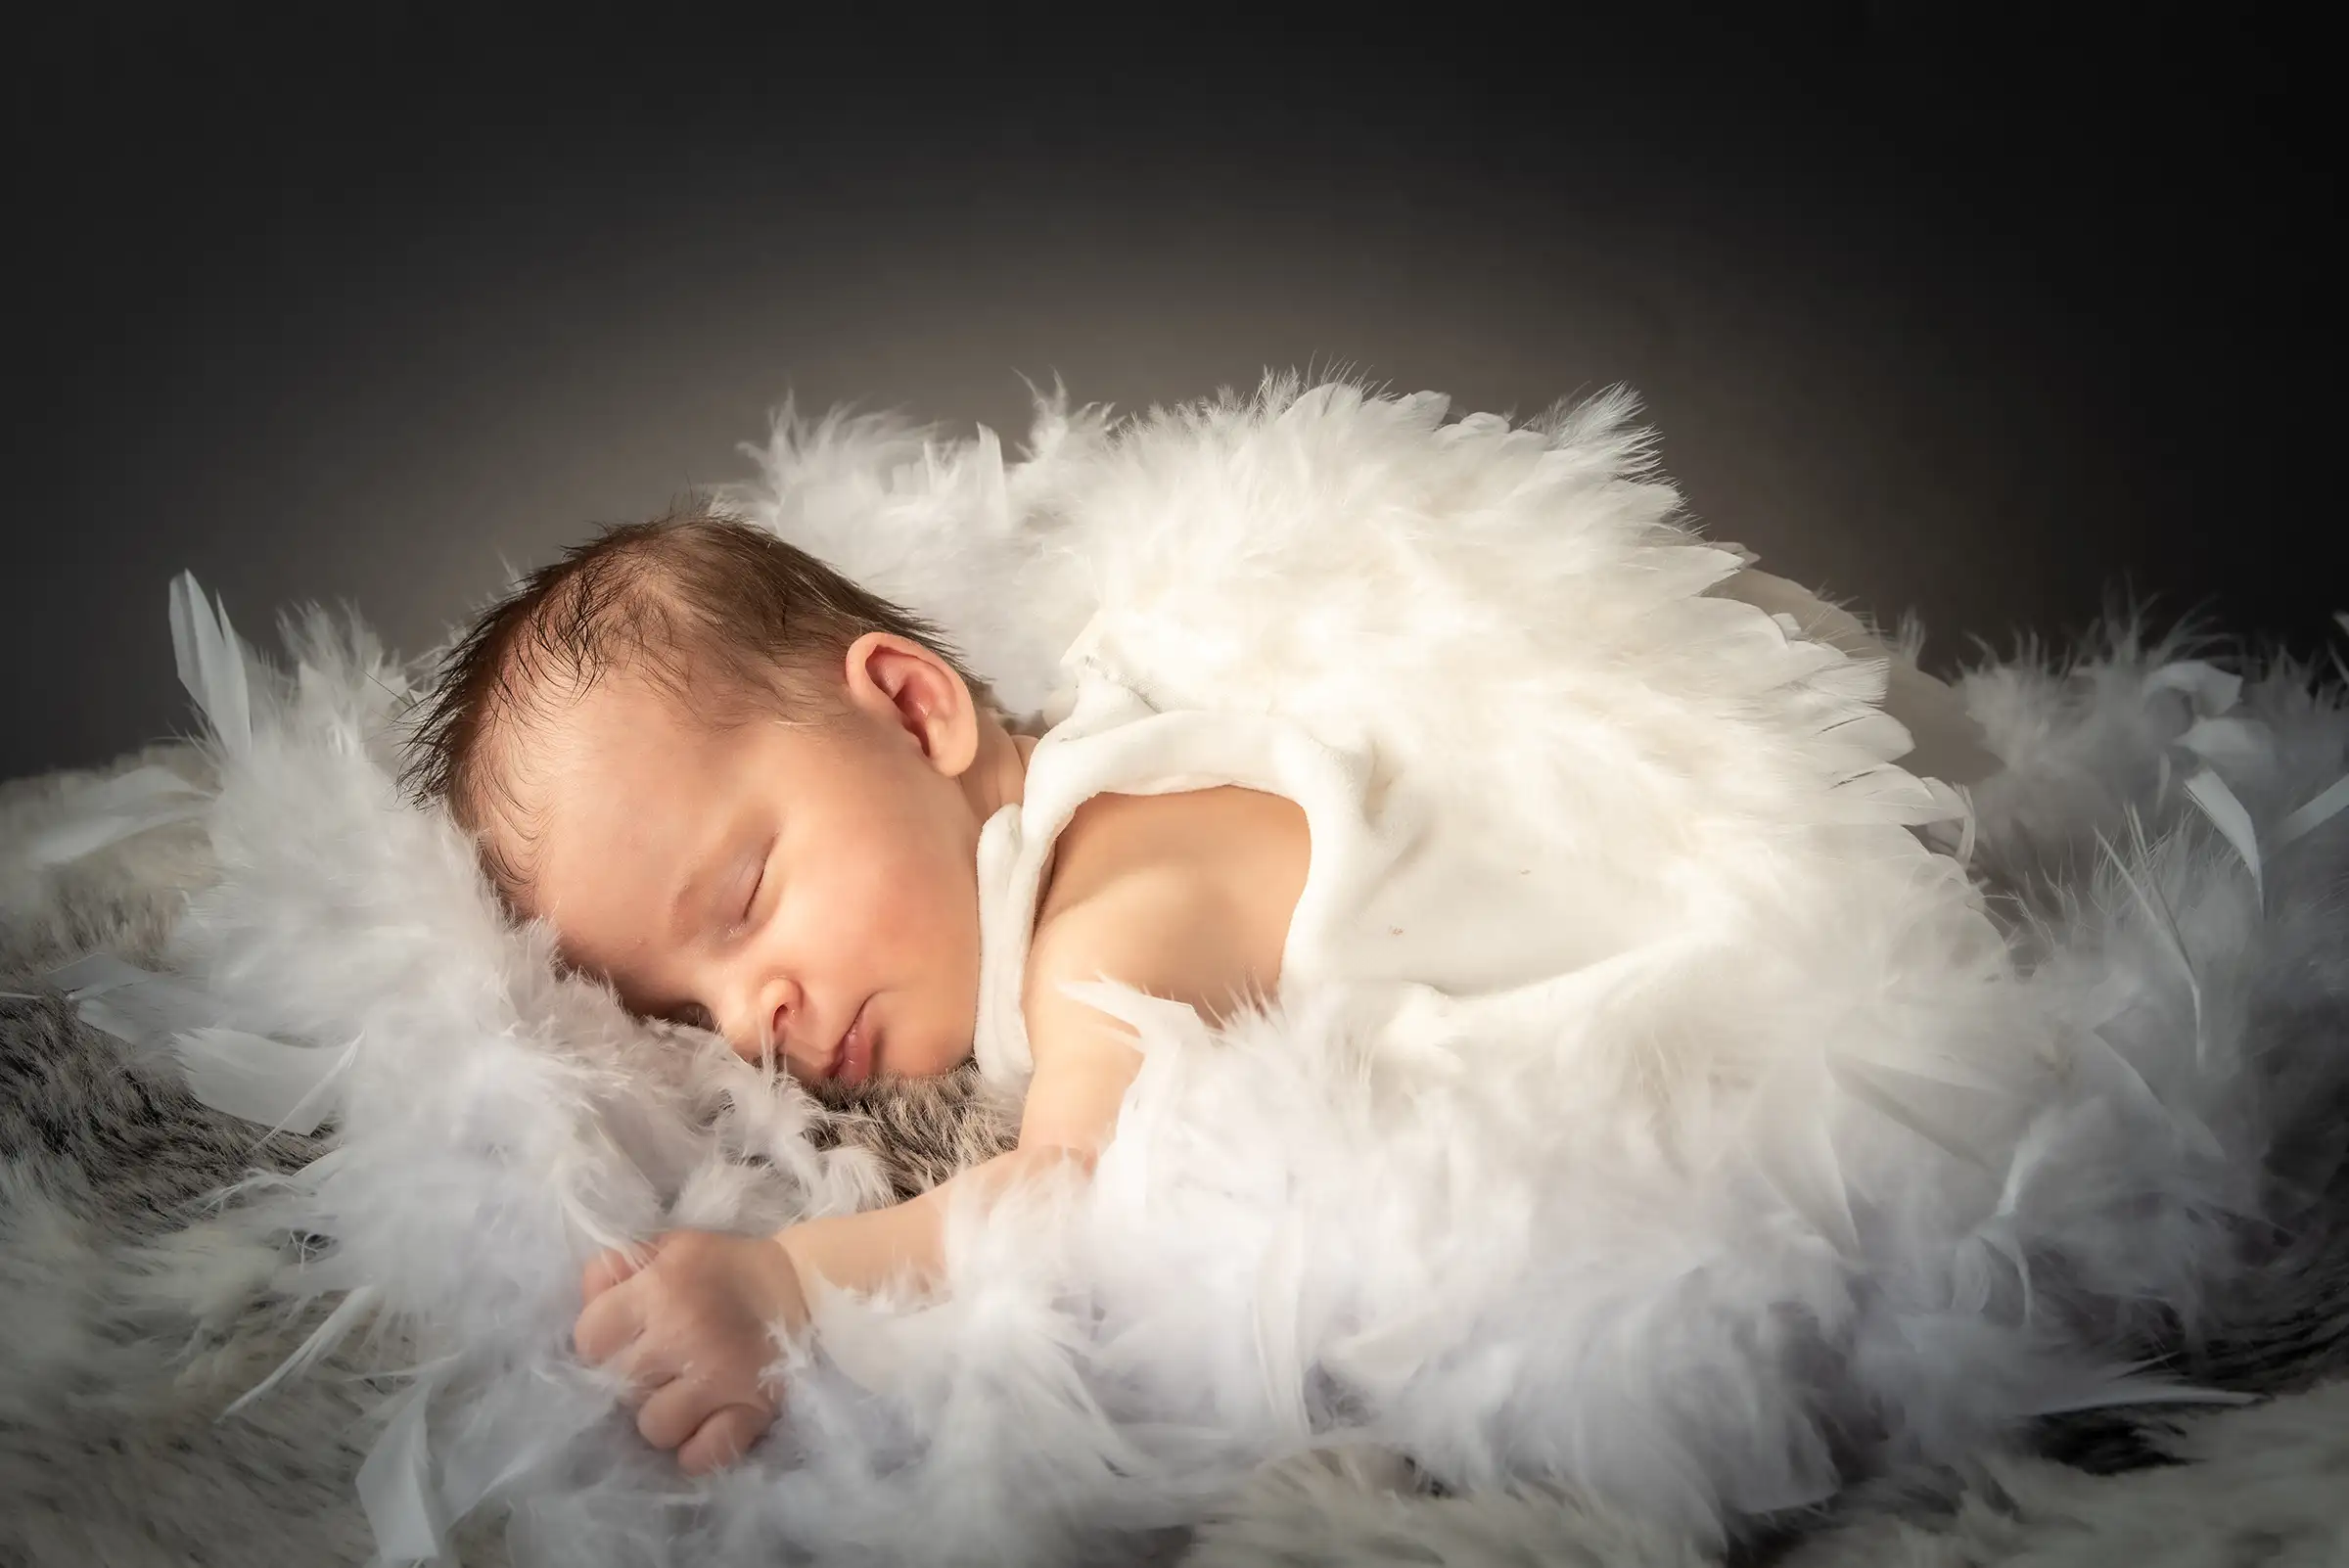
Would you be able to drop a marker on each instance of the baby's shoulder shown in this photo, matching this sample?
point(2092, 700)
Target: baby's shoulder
point(1185, 895)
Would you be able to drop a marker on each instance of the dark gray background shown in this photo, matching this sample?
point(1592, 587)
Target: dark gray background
point(1979, 322)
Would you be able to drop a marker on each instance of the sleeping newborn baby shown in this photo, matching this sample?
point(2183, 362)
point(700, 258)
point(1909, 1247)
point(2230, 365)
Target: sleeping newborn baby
point(758, 800)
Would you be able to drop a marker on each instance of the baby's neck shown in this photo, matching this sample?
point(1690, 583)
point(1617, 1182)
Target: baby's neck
point(999, 774)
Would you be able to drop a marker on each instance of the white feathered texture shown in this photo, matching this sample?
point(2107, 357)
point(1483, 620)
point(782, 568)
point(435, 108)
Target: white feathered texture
point(1806, 1165)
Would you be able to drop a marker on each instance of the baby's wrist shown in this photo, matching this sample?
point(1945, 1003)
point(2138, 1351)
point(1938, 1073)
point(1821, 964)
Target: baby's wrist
point(792, 1274)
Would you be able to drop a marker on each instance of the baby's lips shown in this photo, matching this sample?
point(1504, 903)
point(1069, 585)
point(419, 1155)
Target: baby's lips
point(843, 1050)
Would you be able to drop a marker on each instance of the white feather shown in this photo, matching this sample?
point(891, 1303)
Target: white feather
point(2309, 816)
point(396, 1483)
point(97, 973)
point(2207, 789)
point(282, 1087)
point(352, 1311)
point(2165, 921)
point(117, 808)
point(212, 663)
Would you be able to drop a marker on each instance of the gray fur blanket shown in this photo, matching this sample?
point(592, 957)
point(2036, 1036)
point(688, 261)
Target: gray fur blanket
point(138, 1314)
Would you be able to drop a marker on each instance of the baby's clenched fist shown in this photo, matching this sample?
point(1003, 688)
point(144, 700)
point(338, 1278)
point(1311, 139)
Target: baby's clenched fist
point(691, 1325)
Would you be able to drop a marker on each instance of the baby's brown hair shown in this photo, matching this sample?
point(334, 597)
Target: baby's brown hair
point(706, 606)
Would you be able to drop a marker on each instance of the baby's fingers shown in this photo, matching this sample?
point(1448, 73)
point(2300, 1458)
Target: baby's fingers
point(613, 1265)
point(677, 1410)
point(723, 1437)
point(607, 1326)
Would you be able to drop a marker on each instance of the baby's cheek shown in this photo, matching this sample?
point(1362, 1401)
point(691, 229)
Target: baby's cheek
point(923, 915)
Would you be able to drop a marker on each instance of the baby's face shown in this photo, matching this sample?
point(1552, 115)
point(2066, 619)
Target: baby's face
point(810, 889)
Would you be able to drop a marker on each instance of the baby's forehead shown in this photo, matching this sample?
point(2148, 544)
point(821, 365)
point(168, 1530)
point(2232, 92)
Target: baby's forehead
point(543, 737)
point(550, 712)
point(576, 775)
point(624, 727)
point(639, 731)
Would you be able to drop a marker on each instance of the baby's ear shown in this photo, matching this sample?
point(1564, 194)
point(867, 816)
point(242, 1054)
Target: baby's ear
point(901, 678)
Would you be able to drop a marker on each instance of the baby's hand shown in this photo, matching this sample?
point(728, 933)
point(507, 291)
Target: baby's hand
point(692, 1329)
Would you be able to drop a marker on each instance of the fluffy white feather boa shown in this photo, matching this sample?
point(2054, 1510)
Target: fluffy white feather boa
point(1811, 1163)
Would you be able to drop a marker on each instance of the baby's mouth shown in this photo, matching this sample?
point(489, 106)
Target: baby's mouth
point(853, 1058)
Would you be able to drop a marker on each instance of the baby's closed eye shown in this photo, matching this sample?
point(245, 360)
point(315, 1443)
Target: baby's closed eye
point(750, 899)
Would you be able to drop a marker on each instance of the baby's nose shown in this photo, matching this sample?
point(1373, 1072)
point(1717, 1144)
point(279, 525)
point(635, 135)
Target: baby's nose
point(768, 1021)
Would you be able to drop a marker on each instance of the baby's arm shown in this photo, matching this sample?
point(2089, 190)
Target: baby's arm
point(688, 1325)
point(1162, 931)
